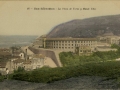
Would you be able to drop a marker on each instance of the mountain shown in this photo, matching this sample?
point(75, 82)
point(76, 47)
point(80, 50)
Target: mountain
point(85, 28)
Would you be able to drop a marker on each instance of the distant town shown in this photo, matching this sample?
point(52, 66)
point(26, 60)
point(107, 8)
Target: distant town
point(45, 51)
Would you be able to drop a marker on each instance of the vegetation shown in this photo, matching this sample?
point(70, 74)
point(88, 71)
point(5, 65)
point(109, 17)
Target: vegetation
point(97, 64)
point(109, 69)
point(70, 59)
point(20, 69)
point(1, 78)
point(115, 46)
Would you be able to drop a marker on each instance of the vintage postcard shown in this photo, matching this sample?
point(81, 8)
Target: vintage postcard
point(59, 44)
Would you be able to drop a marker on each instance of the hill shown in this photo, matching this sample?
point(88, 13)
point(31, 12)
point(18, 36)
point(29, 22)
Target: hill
point(90, 27)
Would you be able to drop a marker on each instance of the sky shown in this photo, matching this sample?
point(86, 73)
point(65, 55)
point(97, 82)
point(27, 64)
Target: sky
point(22, 17)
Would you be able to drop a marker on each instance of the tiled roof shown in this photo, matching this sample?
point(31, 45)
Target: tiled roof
point(38, 56)
point(2, 64)
point(22, 60)
point(15, 57)
point(4, 53)
point(27, 62)
point(17, 52)
point(4, 49)
point(19, 61)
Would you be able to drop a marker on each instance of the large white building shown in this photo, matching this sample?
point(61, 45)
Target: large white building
point(69, 44)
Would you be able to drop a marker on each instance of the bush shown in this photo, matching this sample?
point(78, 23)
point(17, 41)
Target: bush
point(68, 59)
point(20, 69)
point(115, 46)
point(75, 66)
point(1, 78)
point(47, 75)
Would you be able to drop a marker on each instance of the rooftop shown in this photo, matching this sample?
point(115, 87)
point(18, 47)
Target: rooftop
point(38, 56)
point(2, 64)
point(27, 62)
point(75, 39)
point(19, 61)
point(4, 53)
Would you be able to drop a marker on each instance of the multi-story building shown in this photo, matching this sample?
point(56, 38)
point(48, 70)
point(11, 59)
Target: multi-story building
point(113, 40)
point(69, 44)
point(39, 42)
point(109, 39)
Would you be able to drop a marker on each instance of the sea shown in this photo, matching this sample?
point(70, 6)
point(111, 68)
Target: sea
point(7, 41)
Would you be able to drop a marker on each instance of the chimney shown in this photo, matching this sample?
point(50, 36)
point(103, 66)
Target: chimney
point(26, 54)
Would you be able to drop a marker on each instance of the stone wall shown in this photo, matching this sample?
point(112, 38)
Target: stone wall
point(47, 53)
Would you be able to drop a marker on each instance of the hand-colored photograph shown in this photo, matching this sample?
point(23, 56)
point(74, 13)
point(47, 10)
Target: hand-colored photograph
point(59, 45)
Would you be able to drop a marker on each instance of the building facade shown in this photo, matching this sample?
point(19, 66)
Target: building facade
point(37, 61)
point(39, 42)
point(69, 44)
point(83, 50)
point(109, 39)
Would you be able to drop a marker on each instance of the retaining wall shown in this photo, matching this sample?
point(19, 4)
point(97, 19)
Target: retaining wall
point(47, 53)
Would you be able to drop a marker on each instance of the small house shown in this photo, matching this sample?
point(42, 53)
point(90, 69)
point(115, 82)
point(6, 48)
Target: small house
point(38, 61)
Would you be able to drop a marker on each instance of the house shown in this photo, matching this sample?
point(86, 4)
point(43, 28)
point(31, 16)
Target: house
point(109, 39)
point(27, 64)
point(83, 50)
point(5, 55)
point(17, 63)
point(37, 61)
point(4, 66)
point(21, 54)
point(5, 50)
point(14, 58)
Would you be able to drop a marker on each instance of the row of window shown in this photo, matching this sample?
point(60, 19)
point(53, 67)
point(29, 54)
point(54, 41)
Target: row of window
point(62, 47)
point(68, 44)
point(65, 47)
point(71, 41)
